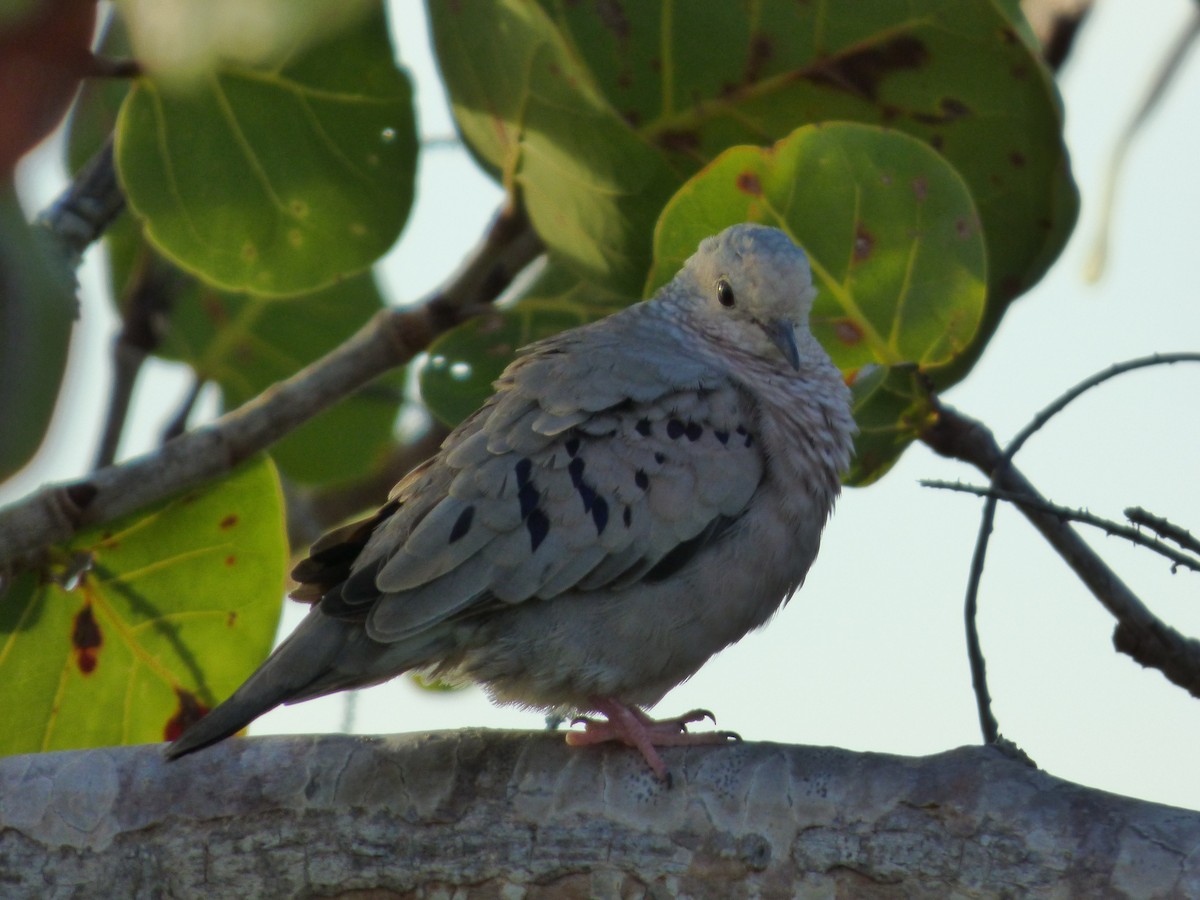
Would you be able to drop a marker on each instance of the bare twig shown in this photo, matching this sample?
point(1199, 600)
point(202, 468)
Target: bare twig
point(987, 720)
point(88, 206)
point(390, 339)
point(1139, 633)
point(1163, 528)
point(1082, 516)
point(1171, 65)
point(147, 303)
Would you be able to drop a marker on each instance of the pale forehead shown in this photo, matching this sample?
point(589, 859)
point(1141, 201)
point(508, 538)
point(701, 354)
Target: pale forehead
point(765, 256)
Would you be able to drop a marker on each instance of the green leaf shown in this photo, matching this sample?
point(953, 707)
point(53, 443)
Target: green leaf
point(142, 624)
point(246, 344)
point(890, 230)
point(37, 310)
point(276, 181)
point(689, 80)
point(591, 186)
point(462, 364)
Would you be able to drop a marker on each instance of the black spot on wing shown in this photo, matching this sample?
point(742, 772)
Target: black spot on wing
point(463, 524)
point(538, 526)
point(722, 436)
point(693, 431)
point(575, 470)
point(527, 492)
point(641, 479)
point(643, 427)
point(572, 446)
point(600, 514)
point(628, 516)
point(749, 438)
point(675, 429)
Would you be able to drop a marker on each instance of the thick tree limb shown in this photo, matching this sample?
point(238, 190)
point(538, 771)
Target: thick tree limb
point(391, 338)
point(498, 814)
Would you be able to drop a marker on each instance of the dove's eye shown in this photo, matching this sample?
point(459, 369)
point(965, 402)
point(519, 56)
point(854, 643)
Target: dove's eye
point(725, 293)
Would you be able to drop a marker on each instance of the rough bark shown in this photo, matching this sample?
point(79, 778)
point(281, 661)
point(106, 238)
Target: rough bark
point(506, 814)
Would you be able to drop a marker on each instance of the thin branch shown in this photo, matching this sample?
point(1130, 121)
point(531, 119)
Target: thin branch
point(391, 338)
point(87, 207)
point(987, 721)
point(1171, 66)
point(1082, 516)
point(144, 311)
point(178, 423)
point(1163, 528)
point(1139, 633)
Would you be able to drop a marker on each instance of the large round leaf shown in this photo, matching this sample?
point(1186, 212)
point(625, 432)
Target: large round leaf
point(276, 181)
point(893, 238)
point(139, 626)
point(583, 104)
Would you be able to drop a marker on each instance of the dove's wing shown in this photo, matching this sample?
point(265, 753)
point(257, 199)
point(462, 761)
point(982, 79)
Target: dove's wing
point(601, 461)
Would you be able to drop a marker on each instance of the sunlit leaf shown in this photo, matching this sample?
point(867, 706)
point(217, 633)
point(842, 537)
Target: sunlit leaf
point(276, 181)
point(563, 100)
point(137, 627)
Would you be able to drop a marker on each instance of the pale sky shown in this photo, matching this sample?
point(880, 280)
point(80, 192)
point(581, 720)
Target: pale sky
point(869, 655)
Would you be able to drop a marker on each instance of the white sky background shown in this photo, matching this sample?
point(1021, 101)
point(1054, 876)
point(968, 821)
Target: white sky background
point(870, 654)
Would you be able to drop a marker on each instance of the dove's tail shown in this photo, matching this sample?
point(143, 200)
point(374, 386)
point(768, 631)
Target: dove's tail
point(305, 665)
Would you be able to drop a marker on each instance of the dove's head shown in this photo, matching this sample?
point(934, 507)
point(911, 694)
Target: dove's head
point(750, 288)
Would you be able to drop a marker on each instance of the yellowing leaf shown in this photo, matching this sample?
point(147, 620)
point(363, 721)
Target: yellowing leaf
point(139, 626)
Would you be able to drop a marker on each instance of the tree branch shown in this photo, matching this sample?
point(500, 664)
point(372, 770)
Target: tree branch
point(1139, 633)
point(1082, 516)
point(497, 814)
point(87, 207)
point(391, 338)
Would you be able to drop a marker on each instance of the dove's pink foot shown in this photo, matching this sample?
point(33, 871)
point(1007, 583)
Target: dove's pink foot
point(631, 726)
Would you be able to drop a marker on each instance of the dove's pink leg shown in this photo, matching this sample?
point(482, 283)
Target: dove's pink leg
point(633, 727)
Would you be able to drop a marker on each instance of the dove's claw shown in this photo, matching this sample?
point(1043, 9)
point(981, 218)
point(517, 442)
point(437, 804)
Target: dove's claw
point(633, 727)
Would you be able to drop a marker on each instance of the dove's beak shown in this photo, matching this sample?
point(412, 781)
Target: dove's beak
point(783, 335)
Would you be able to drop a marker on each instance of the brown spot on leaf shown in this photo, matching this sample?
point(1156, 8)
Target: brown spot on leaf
point(229, 521)
point(189, 711)
point(1020, 72)
point(230, 560)
point(1009, 36)
point(1017, 158)
point(861, 71)
point(920, 187)
point(848, 331)
point(632, 117)
point(748, 183)
point(612, 16)
point(231, 619)
point(760, 53)
point(963, 229)
point(951, 111)
point(864, 243)
point(86, 639)
point(936, 141)
point(681, 140)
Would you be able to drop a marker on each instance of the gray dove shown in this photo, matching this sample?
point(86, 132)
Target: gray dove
point(638, 494)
